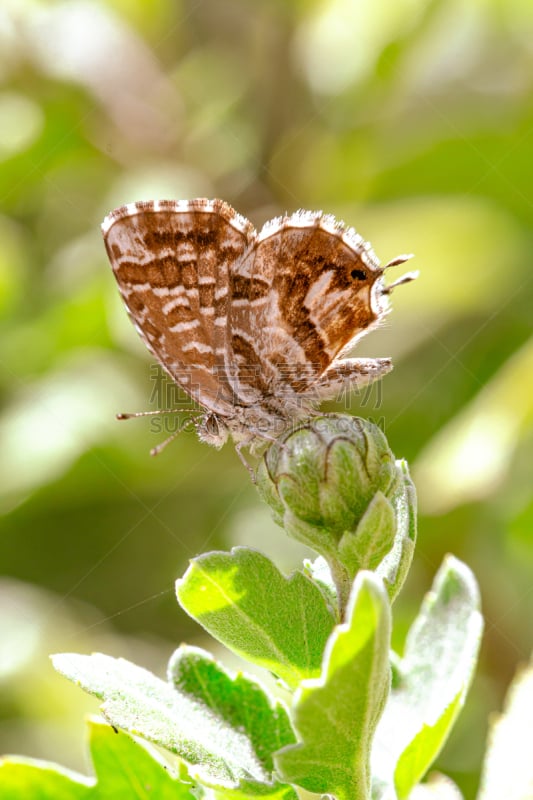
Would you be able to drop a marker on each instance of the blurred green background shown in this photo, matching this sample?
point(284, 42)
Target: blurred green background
point(412, 121)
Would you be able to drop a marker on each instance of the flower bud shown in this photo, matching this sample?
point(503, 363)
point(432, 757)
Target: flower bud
point(333, 484)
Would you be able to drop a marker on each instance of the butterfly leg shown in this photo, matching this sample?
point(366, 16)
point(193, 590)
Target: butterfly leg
point(238, 450)
point(267, 438)
point(159, 447)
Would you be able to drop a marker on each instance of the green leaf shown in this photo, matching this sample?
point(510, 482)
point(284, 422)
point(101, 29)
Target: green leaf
point(223, 729)
point(245, 602)
point(421, 752)
point(126, 768)
point(431, 681)
point(336, 715)
point(508, 768)
point(239, 703)
point(280, 791)
point(22, 778)
point(123, 767)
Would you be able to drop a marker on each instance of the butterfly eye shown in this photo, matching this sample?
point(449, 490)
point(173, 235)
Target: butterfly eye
point(211, 425)
point(358, 274)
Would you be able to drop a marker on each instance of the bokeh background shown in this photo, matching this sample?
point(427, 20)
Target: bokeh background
point(412, 121)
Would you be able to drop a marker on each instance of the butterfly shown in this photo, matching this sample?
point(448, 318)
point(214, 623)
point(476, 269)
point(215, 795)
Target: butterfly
point(252, 325)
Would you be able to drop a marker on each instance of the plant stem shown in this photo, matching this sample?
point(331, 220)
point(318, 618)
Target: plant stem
point(343, 585)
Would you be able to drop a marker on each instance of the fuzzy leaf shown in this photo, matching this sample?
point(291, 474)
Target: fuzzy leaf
point(215, 729)
point(239, 703)
point(431, 681)
point(508, 768)
point(245, 602)
point(336, 715)
point(123, 768)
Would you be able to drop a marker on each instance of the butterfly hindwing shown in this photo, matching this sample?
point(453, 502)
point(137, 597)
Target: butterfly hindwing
point(310, 293)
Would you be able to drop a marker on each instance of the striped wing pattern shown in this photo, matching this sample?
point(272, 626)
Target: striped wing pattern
point(172, 263)
point(308, 289)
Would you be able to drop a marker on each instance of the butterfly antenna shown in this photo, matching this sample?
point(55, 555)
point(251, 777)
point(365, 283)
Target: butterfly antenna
point(126, 415)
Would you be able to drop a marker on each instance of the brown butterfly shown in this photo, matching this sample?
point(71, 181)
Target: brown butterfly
point(251, 325)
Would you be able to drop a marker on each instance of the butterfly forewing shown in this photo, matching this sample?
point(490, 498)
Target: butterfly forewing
point(172, 266)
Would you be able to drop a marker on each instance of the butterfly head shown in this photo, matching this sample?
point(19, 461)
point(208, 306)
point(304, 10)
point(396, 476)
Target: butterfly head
point(212, 430)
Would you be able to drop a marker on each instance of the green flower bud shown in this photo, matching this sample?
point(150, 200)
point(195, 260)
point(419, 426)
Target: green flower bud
point(333, 484)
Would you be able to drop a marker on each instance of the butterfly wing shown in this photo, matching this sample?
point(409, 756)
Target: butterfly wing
point(171, 260)
point(306, 290)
